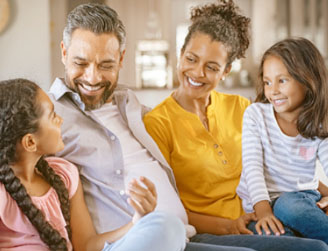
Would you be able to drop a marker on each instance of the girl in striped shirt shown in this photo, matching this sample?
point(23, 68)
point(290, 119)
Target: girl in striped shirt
point(284, 133)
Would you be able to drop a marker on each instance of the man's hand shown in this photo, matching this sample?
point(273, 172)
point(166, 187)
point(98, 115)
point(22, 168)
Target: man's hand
point(323, 204)
point(142, 198)
point(239, 225)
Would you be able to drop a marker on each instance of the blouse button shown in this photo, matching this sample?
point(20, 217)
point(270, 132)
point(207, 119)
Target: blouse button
point(216, 145)
point(220, 153)
point(224, 162)
point(118, 171)
point(122, 192)
point(112, 137)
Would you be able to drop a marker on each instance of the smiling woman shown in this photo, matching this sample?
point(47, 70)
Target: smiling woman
point(196, 128)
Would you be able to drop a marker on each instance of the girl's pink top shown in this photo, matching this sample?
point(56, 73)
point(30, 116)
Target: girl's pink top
point(16, 231)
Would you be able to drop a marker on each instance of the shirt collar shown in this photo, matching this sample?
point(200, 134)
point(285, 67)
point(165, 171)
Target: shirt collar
point(59, 89)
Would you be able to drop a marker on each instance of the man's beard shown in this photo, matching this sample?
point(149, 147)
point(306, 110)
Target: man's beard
point(108, 92)
point(105, 96)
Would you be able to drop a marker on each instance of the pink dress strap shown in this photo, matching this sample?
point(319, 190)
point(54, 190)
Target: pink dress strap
point(16, 229)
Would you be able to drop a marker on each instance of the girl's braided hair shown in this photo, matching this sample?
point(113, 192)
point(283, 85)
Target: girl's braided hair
point(20, 112)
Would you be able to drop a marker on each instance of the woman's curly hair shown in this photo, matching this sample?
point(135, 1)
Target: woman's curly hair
point(223, 23)
point(20, 112)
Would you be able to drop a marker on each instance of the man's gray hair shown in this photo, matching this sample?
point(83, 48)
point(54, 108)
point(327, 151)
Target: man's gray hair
point(98, 18)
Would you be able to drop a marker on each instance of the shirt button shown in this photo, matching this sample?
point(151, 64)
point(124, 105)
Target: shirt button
point(112, 137)
point(224, 162)
point(118, 171)
point(220, 153)
point(122, 192)
point(216, 145)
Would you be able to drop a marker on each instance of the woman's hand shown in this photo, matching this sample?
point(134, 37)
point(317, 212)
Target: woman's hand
point(142, 198)
point(239, 225)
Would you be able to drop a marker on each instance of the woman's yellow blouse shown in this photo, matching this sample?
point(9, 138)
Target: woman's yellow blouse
point(206, 164)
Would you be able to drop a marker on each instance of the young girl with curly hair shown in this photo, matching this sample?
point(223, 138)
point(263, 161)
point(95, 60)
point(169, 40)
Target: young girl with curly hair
point(284, 133)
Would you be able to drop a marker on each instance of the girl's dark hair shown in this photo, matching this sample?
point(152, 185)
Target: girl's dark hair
point(20, 112)
point(306, 65)
point(223, 23)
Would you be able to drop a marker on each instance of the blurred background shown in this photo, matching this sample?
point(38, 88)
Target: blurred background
point(31, 31)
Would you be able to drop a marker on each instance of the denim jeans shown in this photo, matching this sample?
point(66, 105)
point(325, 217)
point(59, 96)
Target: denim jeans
point(155, 231)
point(194, 246)
point(298, 211)
point(255, 242)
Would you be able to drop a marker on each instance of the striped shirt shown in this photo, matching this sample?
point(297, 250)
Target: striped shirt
point(274, 162)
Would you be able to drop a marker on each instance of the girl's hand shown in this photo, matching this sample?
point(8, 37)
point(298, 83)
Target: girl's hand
point(143, 198)
point(323, 204)
point(269, 222)
point(240, 225)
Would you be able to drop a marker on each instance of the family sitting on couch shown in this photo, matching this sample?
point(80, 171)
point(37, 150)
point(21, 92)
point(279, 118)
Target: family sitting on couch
point(202, 171)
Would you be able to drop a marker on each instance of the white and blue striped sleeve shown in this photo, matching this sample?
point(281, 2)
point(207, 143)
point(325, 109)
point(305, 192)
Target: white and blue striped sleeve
point(252, 154)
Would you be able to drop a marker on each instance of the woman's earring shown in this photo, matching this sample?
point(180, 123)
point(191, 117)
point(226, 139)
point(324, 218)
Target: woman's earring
point(223, 78)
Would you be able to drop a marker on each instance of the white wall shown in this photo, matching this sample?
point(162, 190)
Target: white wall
point(25, 43)
point(58, 13)
point(321, 174)
point(263, 27)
